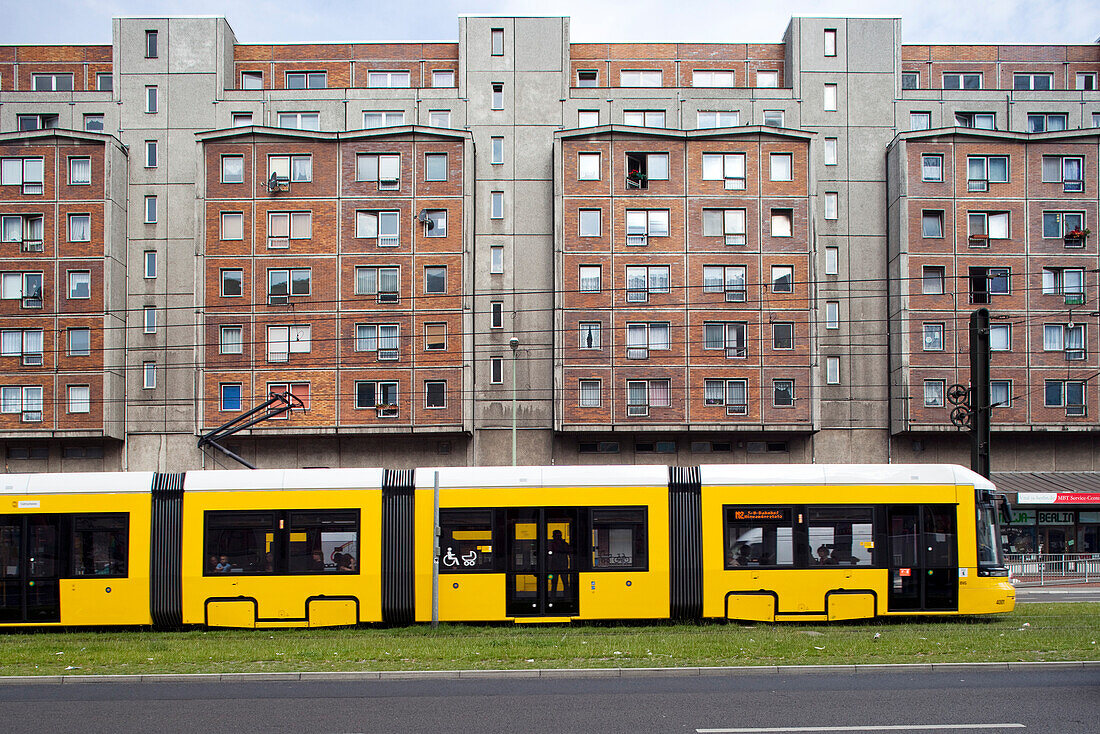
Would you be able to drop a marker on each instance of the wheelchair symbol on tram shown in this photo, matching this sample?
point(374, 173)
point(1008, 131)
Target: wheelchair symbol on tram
point(450, 559)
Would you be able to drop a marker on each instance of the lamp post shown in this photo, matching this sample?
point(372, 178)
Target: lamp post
point(514, 344)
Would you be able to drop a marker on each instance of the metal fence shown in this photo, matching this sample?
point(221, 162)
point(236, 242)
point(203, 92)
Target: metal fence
point(1053, 568)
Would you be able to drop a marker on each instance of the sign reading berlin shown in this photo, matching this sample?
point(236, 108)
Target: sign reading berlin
point(762, 513)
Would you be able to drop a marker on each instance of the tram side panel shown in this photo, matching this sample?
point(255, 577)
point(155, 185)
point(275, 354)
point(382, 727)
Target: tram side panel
point(979, 591)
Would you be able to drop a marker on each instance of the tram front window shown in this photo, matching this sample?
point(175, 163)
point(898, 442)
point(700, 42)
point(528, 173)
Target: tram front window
point(758, 537)
point(990, 554)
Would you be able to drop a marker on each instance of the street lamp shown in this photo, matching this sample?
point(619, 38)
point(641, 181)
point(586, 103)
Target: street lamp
point(514, 344)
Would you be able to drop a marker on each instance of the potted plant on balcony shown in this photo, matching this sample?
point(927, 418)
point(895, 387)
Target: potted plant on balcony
point(636, 179)
point(1077, 235)
point(979, 239)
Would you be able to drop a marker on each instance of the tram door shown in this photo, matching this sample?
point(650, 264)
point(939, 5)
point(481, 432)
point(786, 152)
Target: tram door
point(29, 569)
point(542, 562)
point(924, 566)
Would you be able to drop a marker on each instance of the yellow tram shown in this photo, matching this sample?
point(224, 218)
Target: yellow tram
point(324, 547)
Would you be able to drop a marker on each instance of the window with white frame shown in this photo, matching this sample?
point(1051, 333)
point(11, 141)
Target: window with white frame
point(726, 223)
point(588, 166)
point(640, 78)
point(80, 342)
point(496, 205)
point(829, 98)
point(26, 287)
point(711, 78)
point(644, 118)
point(830, 151)
point(931, 167)
point(94, 122)
point(384, 226)
point(728, 336)
point(80, 228)
point(52, 82)
point(435, 279)
point(782, 224)
point(151, 100)
point(933, 393)
point(645, 280)
point(435, 337)
point(932, 338)
point(783, 335)
point(232, 282)
point(976, 120)
point(232, 226)
point(588, 118)
point(642, 395)
point(26, 230)
point(1000, 393)
point(783, 393)
point(496, 370)
point(984, 170)
point(832, 205)
point(643, 338)
point(726, 167)
point(984, 226)
point(252, 80)
point(832, 314)
point(932, 277)
point(1063, 281)
point(443, 78)
point(80, 398)
point(293, 168)
point(299, 120)
point(1000, 337)
point(931, 224)
point(830, 42)
point(150, 260)
point(231, 396)
point(435, 166)
point(832, 370)
point(496, 42)
point(832, 260)
point(641, 224)
point(232, 169)
point(706, 119)
point(781, 167)
point(920, 120)
point(1069, 394)
point(240, 119)
point(150, 210)
point(388, 78)
point(439, 118)
point(1041, 82)
point(496, 260)
point(496, 99)
point(960, 80)
point(641, 168)
point(589, 222)
point(80, 284)
point(767, 78)
point(385, 118)
point(381, 168)
point(282, 227)
point(306, 80)
point(378, 395)
point(283, 283)
point(150, 154)
point(80, 171)
point(589, 393)
point(1067, 170)
point(588, 78)
point(1046, 122)
point(496, 150)
point(588, 278)
point(231, 340)
point(148, 375)
point(733, 395)
point(384, 339)
point(727, 279)
point(1068, 338)
point(436, 224)
point(282, 341)
point(150, 320)
point(496, 314)
point(782, 279)
point(1067, 225)
point(26, 344)
point(435, 394)
point(37, 122)
point(1086, 81)
point(589, 335)
point(25, 399)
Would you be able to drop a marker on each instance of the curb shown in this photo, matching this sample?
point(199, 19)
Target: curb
point(383, 675)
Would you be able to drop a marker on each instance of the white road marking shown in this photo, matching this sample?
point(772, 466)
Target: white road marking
point(885, 727)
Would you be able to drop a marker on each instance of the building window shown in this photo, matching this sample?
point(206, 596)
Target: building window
point(380, 396)
point(642, 281)
point(726, 167)
point(150, 44)
point(956, 80)
point(80, 398)
point(93, 123)
point(382, 226)
point(104, 81)
point(435, 279)
point(829, 99)
point(381, 79)
point(373, 120)
point(976, 120)
point(641, 168)
point(832, 260)
point(300, 120)
point(644, 118)
point(25, 287)
point(783, 335)
point(383, 169)
point(232, 169)
point(588, 118)
point(832, 314)
point(717, 118)
point(496, 42)
point(773, 118)
point(382, 282)
point(496, 205)
point(643, 338)
point(230, 396)
point(727, 279)
point(435, 393)
point(783, 393)
point(983, 170)
point(832, 370)
point(589, 336)
point(232, 226)
point(80, 228)
point(831, 204)
point(240, 119)
point(22, 399)
point(283, 283)
point(910, 80)
point(439, 118)
point(496, 260)
point(1032, 81)
point(1065, 338)
point(731, 394)
point(932, 277)
point(230, 340)
point(443, 78)
point(80, 342)
point(589, 278)
point(1067, 170)
point(150, 314)
point(1000, 393)
point(285, 226)
point(830, 41)
point(933, 338)
point(293, 168)
point(306, 80)
point(435, 337)
point(701, 78)
point(641, 395)
point(931, 224)
point(80, 171)
point(149, 375)
point(299, 390)
point(435, 167)
point(640, 78)
point(985, 226)
point(589, 222)
point(150, 258)
point(767, 78)
point(1065, 225)
point(589, 393)
point(1044, 123)
point(830, 154)
point(781, 222)
point(781, 167)
point(497, 99)
point(36, 122)
point(150, 210)
point(57, 82)
point(1000, 337)
point(931, 167)
point(726, 335)
point(1086, 81)
point(985, 282)
point(80, 284)
point(588, 166)
point(232, 281)
point(588, 78)
point(641, 224)
point(380, 338)
point(496, 370)
point(1065, 393)
point(497, 150)
point(151, 99)
point(282, 341)
point(252, 80)
point(496, 315)
point(782, 279)
point(920, 120)
point(23, 343)
point(150, 154)
point(436, 224)
point(933, 393)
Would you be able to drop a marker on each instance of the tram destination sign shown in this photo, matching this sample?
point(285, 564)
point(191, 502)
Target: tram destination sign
point(756, 514)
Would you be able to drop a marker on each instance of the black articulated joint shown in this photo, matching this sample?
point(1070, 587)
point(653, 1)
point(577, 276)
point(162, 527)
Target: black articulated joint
point(398, 591)
point(685, 542)
point(166, 552)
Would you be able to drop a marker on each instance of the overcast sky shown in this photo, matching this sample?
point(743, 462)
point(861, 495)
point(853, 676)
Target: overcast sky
point(285, 21)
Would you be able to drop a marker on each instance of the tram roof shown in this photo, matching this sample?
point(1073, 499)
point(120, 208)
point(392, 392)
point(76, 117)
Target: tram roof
point(543, 476)
point(76, 483)
point(840, 474)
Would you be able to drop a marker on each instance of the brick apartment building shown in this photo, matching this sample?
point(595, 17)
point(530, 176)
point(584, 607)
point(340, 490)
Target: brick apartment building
point(707, 252)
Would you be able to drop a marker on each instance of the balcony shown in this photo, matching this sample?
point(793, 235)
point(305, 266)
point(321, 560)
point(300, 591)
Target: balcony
point(31, 246)
point(388, 240)
point(636, 240)
point(386, 411)
point(737, 409)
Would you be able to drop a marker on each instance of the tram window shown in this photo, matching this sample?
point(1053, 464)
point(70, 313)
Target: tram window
point(10, 541)
point(757, 536)
point(465, 540)
point(99, 545)
point(323, 541)
point(939, 535)
point(619, 540)
point(840, 536)
point(240, 542)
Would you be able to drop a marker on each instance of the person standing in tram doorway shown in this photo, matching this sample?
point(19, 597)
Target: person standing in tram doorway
point(558, 563)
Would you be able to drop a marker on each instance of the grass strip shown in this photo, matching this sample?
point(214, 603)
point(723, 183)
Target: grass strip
point(1034, 632)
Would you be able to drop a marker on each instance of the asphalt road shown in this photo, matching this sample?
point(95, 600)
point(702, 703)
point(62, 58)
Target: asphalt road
point(1032, 700)
point(1031, 594)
